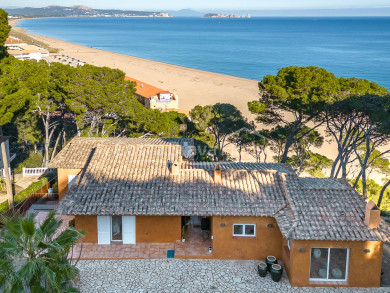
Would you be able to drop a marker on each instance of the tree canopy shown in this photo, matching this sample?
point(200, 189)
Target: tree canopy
point(4, 26)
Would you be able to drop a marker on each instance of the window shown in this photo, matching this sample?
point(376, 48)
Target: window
point(116, 228)
point(244, 230)
point(329, 264)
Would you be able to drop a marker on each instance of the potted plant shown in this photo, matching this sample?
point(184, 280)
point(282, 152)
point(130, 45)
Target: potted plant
point(262, 269)
point(270, 260)
point(276, 272)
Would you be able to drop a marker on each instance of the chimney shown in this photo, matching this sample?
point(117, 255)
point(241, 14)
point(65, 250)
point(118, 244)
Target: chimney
point(175, 168)
point(373, 215)
point(217, 174)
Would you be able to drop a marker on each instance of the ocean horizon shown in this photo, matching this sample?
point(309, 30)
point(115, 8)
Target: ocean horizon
point(248, 48)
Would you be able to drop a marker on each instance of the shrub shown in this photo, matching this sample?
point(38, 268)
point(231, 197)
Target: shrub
point(35, 186)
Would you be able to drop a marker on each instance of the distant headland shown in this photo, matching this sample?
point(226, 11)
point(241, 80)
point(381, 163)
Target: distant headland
point(221, 15)
point(78, 11)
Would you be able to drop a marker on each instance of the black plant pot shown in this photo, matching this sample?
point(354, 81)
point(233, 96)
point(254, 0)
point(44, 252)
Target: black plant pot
point(276, 272)
point(262, 268)
point(271, 260)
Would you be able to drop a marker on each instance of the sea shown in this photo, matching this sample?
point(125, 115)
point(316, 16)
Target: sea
point(249, 48)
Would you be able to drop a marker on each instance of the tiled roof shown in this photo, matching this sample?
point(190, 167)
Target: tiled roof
point(323, 209)
point(76, 153)
point(131, 177)
point(11, 40)
point(136, 180)
point(283, 168)
point(144, 89)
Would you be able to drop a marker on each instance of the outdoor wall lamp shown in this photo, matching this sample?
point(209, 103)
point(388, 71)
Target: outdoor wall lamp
point(301, 250)
point(270, 225)
point(222, 225)
point(367, 251)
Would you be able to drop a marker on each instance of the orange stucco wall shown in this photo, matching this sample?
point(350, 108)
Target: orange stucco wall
point(158, 229)
point(161, 229)
point(268, 241)
point(89, 225)
point(63, 180)
point(364, 269)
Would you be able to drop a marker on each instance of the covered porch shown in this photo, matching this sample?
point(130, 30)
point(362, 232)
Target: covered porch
point(196, 245)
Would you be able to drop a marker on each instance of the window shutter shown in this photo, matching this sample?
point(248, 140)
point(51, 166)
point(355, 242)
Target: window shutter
point(71, 180)
point(104, 231)
point(128, 226)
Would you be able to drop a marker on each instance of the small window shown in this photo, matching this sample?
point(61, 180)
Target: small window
point(244, 230)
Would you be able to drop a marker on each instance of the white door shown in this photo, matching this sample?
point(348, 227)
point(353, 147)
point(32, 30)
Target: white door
point(128, 226)
point(104, 229)
point(71, 180)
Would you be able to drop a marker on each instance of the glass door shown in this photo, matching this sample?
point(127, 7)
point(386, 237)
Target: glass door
point(116, 228)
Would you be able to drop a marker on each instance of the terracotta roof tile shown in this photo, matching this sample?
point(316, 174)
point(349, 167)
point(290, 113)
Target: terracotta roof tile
point(132, 177)
point(144, 89)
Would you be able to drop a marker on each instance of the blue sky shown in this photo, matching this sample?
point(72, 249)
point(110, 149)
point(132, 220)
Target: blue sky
point(206, 4)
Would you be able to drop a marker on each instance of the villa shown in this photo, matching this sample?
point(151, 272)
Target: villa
point(129, 192)
point(155, 98)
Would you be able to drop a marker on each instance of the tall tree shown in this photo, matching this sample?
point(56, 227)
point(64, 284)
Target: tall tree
point(12, 98)
point(353, 110)
point(4, 30)
point(222, 121)
point(98, 97)
point(294, 98)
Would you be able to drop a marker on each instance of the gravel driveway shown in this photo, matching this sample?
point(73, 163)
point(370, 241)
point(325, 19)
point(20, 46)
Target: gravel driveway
point(184, 276)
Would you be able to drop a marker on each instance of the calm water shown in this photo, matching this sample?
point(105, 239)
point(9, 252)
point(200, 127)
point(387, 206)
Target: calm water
point(249, 48)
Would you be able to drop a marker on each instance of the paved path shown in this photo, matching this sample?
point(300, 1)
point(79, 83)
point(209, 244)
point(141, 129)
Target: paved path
point(185, 276)
point(24, 182)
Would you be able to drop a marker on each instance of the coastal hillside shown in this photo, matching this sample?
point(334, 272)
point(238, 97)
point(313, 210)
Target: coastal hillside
point(74, 11)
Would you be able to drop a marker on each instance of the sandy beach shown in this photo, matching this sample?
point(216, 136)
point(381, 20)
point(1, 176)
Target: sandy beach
point(194, 87)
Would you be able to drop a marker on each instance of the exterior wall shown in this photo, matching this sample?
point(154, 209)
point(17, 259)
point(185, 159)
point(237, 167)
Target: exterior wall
point(162, 105)
point(89, 225)
point(63, 180)
point(268, 241)
point(364, 269)
point(286, 257)
point(158, 229)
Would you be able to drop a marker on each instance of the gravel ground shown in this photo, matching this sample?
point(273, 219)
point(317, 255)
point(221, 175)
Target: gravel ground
point(185, 276)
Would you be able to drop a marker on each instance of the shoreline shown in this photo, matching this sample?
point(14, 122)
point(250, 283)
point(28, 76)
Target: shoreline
point(194, 86)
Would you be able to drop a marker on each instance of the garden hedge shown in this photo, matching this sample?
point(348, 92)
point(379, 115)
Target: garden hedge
point(35, 186)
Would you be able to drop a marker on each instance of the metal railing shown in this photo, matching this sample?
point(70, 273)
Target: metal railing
point(37, 171)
